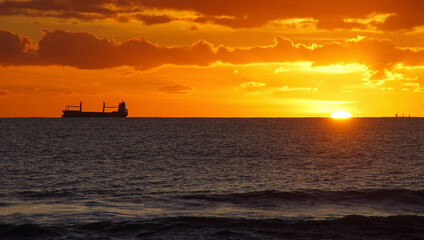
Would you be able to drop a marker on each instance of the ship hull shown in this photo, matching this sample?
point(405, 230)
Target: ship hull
point(78, 114)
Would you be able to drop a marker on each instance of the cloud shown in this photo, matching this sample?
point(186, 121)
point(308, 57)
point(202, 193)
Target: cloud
point(14, 49)
point(282, 70)
point(382, 14)
point(328, 69)
point(387, 15)
point(154, 19)
point(252, 84)
point(120, 10)
point(86, 10)
point(376, 54)
point(86, 51)
point(294, 89)
point(83, 50)
point(177, 89)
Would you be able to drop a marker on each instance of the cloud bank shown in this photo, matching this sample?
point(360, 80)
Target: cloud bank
point(86, 51)
point(386, 15)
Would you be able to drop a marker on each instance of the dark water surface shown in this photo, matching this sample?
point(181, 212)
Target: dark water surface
point(313, 178)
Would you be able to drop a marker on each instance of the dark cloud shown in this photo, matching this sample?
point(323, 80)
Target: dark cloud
point(150, 20)
point(329, 14)
point(79, 9)
point(15, 49)
point(84, 50)
point(81, 6)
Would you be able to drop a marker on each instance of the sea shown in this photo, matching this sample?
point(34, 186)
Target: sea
point(212, 178)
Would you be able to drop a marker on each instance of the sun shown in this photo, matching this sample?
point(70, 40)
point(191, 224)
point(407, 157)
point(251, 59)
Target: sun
point(341, 114)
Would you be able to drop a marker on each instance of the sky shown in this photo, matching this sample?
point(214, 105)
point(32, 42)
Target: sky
point(213, 58)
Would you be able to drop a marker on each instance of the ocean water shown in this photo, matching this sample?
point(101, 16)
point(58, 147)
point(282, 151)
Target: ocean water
point(164, 178)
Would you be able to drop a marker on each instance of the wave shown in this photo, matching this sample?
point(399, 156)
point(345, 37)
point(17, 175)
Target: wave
point(393, 196)
point(56, 194)
point(70, 194)
point(412, 201)
point(349, 227)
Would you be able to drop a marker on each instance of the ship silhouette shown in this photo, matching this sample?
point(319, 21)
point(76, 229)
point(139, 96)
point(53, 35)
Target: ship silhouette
point(71, 112)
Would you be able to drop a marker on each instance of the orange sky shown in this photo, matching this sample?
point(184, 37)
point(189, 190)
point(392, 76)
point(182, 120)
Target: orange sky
point(232, 58)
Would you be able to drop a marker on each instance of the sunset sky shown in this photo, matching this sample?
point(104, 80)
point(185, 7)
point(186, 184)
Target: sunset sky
point(213, 58)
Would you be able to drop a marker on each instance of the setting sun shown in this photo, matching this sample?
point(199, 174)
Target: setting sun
point(341, 114)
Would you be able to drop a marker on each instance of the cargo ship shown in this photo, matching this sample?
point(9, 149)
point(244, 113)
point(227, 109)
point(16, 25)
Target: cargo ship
point(72, 111)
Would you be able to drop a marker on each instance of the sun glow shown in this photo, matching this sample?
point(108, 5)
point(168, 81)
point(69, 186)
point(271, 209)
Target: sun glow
point(341, 114)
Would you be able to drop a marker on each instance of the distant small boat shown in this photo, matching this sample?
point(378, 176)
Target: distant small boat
point(69, 112)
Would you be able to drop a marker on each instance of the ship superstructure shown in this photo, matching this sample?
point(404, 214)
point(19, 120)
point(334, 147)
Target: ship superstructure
point(73, 111)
